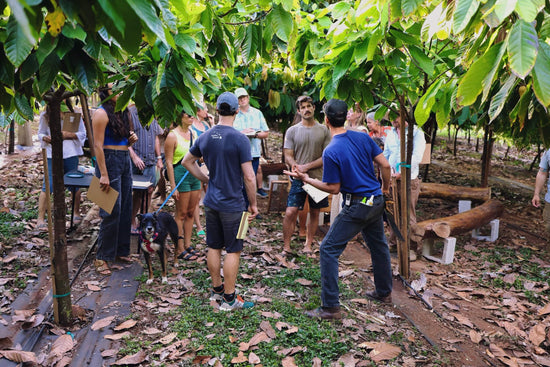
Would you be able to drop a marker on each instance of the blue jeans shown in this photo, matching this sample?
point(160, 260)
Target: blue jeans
point(355, 218)
point(255, 165)
point(114, 232)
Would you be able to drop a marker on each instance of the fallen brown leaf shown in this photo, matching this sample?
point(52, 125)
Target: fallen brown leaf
point(100, 324)
point(151, 331)
point(24, 313)
point(19, 356)
point(253, 358)
point(475, 336)
point(118, 336)
point(126, 325)
point(266, 326)
point(303, 281)
point(317, 362)
point(241, 358)
point(109, 353)
point(288, 362)
point(258, 338)
point(168, 338)
point(537, 334)
point(94, 288)
point(381, 351)
point(62, 345)
point(544, 310)
point(33, 321)
point(133, 359)
point(347, 360)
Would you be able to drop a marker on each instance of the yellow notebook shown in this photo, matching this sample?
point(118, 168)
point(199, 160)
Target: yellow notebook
point(243, 227)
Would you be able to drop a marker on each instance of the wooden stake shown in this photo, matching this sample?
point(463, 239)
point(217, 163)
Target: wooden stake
point(50, 227)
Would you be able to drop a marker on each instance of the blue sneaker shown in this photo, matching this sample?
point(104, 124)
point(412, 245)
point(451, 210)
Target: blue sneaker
point(215, 296)
point(261, 193)
point(238, 302)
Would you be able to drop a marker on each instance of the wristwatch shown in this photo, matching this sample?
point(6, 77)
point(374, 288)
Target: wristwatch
point(256, 134)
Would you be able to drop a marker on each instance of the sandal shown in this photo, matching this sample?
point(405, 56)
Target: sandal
point(188, 254)
point(102, 267)
point(201, 233)
point(124, 259)
point(77, 220)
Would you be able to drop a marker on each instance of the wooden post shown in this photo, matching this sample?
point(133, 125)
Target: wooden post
point(50, 228)
point(404, 266)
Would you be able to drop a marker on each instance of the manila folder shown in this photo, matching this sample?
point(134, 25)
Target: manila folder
point(105, 200)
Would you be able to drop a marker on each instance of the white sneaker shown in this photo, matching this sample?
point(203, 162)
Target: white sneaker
point(238, 302)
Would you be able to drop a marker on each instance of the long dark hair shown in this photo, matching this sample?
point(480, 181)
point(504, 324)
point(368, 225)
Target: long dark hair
point(119, 122)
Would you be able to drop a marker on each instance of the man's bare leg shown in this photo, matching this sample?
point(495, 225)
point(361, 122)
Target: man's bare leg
point(289, 225)
point(311, 228)
point(230, 271)
point(214, 263)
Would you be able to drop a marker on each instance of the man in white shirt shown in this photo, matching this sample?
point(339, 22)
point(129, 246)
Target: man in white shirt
point(251, 122)
point(392, 152)
point(542, 178)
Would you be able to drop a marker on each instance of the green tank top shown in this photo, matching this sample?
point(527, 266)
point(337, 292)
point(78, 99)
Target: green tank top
point(183, 146)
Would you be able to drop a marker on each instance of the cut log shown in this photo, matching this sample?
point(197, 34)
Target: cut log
point(459, 223)
point(269, 169)
point(454, 193)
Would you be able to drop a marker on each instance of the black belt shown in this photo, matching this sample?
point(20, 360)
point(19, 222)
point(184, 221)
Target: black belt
point(353, 197)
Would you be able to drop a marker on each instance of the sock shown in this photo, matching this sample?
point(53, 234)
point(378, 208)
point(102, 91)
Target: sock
point(218, 289)
point(229, 297)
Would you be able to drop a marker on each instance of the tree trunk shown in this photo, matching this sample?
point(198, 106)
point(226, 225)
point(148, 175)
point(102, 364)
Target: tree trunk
point(486, 155)
point(477, 144)
point(59, 268)
point(11, 139)
point(459, 223)
point(454, 193)
point(431, 132)
point(469, 136)
point(455, 141)
point(537, 157)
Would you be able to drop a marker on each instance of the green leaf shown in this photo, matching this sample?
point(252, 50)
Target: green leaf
point(82, 69)
point(146, 11)
point(47, 72)
point(425, 103)
point(110, 9)
point(405, 37)
point(373, 43)
point(409, 6)
point(342, 65)
point(29, 67)
point(422, 60)
point(7, 71)
point(124, 98)
point(478, 75)
point(361, 50)
point(528, 9)
point(74, 32)
point(503, 8)
point(45, 47)
point(18, 13)
point(281, 22)
point(499, 99)
point(464, 12)
point(23, 106)
point(17, 46)
point(250, 43)
point(541, 75)
point(523, 44)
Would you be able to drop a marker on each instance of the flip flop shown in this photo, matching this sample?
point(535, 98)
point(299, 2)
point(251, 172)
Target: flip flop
point(102, 267)
point(188, 255)
point(134, 231)
point(201, 233)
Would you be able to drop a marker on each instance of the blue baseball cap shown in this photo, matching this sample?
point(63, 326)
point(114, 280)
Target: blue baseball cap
point(227, 102)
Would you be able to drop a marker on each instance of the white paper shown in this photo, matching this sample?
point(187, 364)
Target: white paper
point(316, 194)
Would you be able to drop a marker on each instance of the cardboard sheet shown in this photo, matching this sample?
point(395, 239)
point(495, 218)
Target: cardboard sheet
point(316, 194)
point(105, 200)
point(71, 122)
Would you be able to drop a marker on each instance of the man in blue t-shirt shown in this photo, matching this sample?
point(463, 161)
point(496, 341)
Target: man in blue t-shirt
point(348, 168)
point(542, 178)
point(226, 153)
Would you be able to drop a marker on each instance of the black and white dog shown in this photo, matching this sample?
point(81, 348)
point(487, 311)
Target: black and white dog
point(153, 230)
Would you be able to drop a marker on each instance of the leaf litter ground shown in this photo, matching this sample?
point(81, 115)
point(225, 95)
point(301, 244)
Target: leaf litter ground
point(490, 307)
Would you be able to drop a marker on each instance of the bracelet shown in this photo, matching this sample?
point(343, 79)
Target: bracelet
point(159, 157)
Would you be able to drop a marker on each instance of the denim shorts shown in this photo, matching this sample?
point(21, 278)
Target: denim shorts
point(149, 172)
point(221, 230)
point(297, 197)
point(190, 183)
point(69, 164)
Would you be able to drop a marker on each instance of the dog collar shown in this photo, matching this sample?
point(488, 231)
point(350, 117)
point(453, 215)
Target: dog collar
point(148, 242)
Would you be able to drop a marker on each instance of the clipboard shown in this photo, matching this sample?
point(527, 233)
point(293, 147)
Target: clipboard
point(243, 226)
point(316, 194)
point(71, 122)
point(105, 200)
